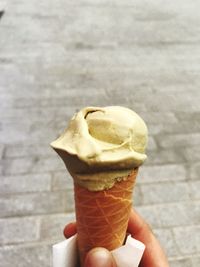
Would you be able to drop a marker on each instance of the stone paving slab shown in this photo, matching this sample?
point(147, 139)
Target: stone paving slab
point(59, 56)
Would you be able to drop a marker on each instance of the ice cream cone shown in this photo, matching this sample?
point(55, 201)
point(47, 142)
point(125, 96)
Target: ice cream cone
point(102, 216)
point(100, 147)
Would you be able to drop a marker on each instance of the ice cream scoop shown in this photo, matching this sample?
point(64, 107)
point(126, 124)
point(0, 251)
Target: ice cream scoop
point(109, 140)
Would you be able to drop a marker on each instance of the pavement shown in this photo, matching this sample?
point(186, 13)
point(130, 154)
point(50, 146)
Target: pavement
point(59, 56)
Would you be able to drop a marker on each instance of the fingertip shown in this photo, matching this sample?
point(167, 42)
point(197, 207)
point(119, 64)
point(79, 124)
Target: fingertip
point(69, 230)
point(136, 224)
point(99, 257)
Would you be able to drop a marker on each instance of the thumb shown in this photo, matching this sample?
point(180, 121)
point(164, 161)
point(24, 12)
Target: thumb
point(99, 257)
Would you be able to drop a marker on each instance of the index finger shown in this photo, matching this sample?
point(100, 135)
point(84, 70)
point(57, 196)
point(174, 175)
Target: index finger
point(70, 230)
point(138, 228)
point(154, 255)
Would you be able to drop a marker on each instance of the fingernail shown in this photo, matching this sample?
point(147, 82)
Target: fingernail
point(99, 257)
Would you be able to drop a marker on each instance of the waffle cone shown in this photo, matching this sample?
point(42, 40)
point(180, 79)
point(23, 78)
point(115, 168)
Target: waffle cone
point(102, 217)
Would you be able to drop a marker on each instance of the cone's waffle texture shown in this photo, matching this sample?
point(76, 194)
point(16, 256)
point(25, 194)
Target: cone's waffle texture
point(102, 217)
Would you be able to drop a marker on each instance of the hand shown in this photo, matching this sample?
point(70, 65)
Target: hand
point(154, 255)
point(96, 257)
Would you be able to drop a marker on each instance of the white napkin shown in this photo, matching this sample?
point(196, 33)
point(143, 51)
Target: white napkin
point(65, 253)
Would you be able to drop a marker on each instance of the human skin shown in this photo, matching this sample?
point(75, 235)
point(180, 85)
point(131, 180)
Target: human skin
point(153, 256)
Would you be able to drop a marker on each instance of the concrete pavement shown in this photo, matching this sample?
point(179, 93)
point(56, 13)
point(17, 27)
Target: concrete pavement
point(58, 56)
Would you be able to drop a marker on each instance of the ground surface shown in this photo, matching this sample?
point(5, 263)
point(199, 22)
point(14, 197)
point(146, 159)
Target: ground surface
point(58, 56)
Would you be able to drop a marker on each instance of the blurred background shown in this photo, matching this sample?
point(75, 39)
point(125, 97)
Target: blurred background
point(59, 56)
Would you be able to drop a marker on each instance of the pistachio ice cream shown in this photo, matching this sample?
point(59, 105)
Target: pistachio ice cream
point(101, 146)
